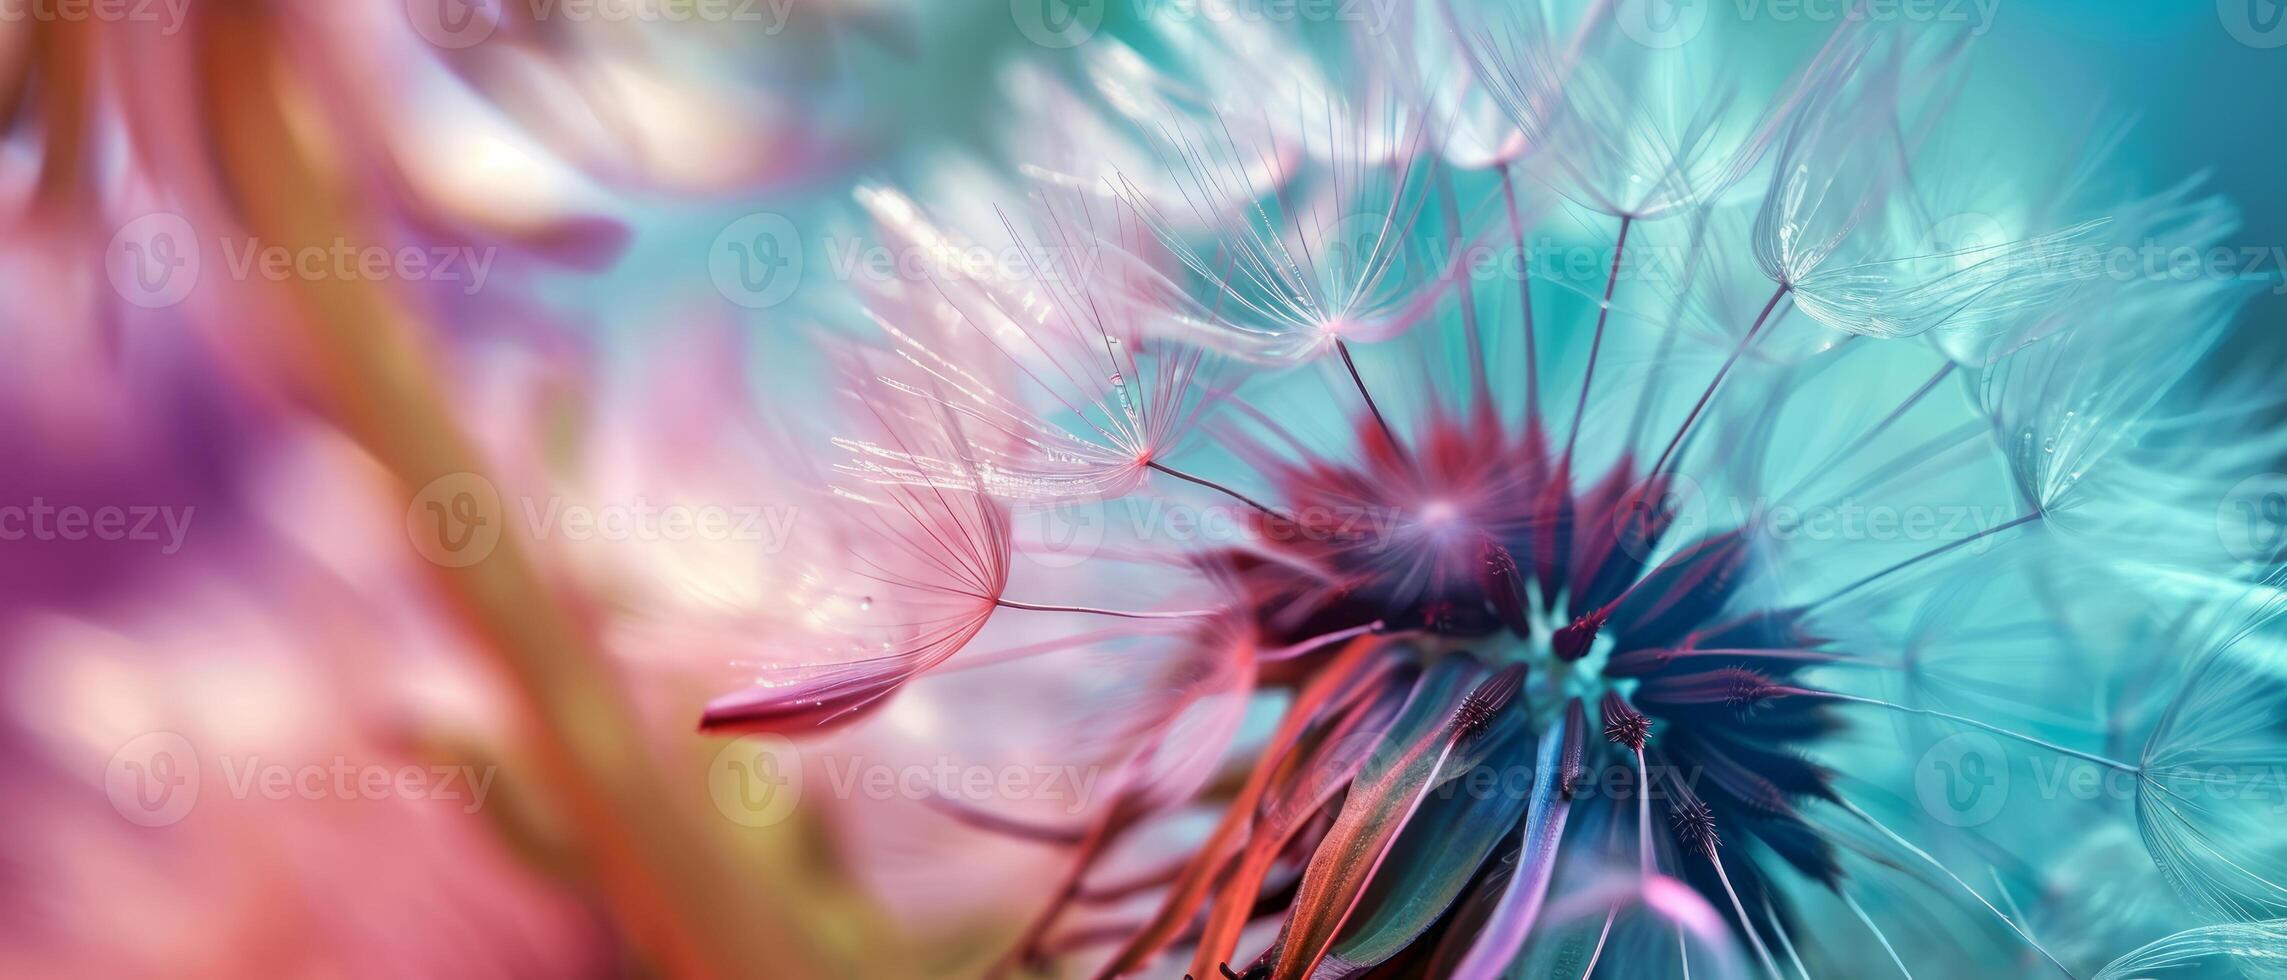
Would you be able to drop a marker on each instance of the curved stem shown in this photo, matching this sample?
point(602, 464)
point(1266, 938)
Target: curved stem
point(1596, 342)
point(1597, 954)
point(1524, 296)
point(1860, 911)
point(1121, 613)
point(1786, 942)
point(1644, 815)
point(1871, 433)
point(1762, 952)
point(1948, 872)
point(1480, 386)
point(1720, 373)
point(1924, 556)
point(1974, 723)
point(1343, 348)
point(1217, 487)
point(1317, 642)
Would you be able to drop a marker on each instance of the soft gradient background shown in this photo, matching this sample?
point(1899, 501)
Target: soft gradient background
point(301, 623)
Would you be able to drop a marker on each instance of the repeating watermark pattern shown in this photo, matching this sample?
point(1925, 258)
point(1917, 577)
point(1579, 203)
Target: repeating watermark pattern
point(1971, 238)
point(1070, 788)
point(153, 780)
point(156, 260)
point(2255, 23)
point(756, 262)
point(1363, 248)
point(1963, 780)
point(467, 266)
point(1961, 238)
point(1966, 779)
point(1854, 521)
point(2172, 262)
point(1674, 23)
point(2251, 521)
point(763, 259)
point(756, 780)
point(157, 779)
point(153, 261)
point(1682, 512)
point(855, 260)
point(457, 24)
point(161, 524)
point(457, 520)
point(759, 781)
point(1946, 247)
point(1058, 23)
point(1662, 23)
point(1066, 533)
point(1070, 23)
point(1616, 781)
point(640, 519)
point(167, 15)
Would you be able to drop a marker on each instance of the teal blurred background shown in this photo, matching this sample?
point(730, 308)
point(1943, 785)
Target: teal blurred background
point(923, 98)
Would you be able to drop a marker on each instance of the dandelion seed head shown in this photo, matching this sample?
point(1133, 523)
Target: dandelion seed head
point(1479, 508)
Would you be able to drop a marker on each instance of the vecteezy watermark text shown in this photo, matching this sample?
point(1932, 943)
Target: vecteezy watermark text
point(1064, 533)
point(1070, 23)
point(757, 780)
point(1672, 23)
point(44, 521)
point(466, 23)
point(248, 259)
point(167, 14)
point(457, 520)
point(155, 261)
point(1070, 787)
point(1966, 779)
point(157, 779)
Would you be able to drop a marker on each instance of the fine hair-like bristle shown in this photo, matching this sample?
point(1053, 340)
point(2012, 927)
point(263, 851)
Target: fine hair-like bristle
point(1695, 826)
point(1623, 724)
point(1487, 699)
point(1505, 586)
point(1745, 689)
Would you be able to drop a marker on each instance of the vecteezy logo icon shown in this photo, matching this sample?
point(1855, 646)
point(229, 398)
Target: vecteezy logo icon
point(1959, 242)
point(2255, 23)
point(456, 520)
point(154, 260)
point(757, 261)
point(1972, 779)
point(1672, 509)
point(756, 780)
point(1057, 23)
point(453, 23)
point(1661, 23)
point(1058, 533)
point(1369, 252)
point(2251, 522)
point(153, 780)
point(1963, 780)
